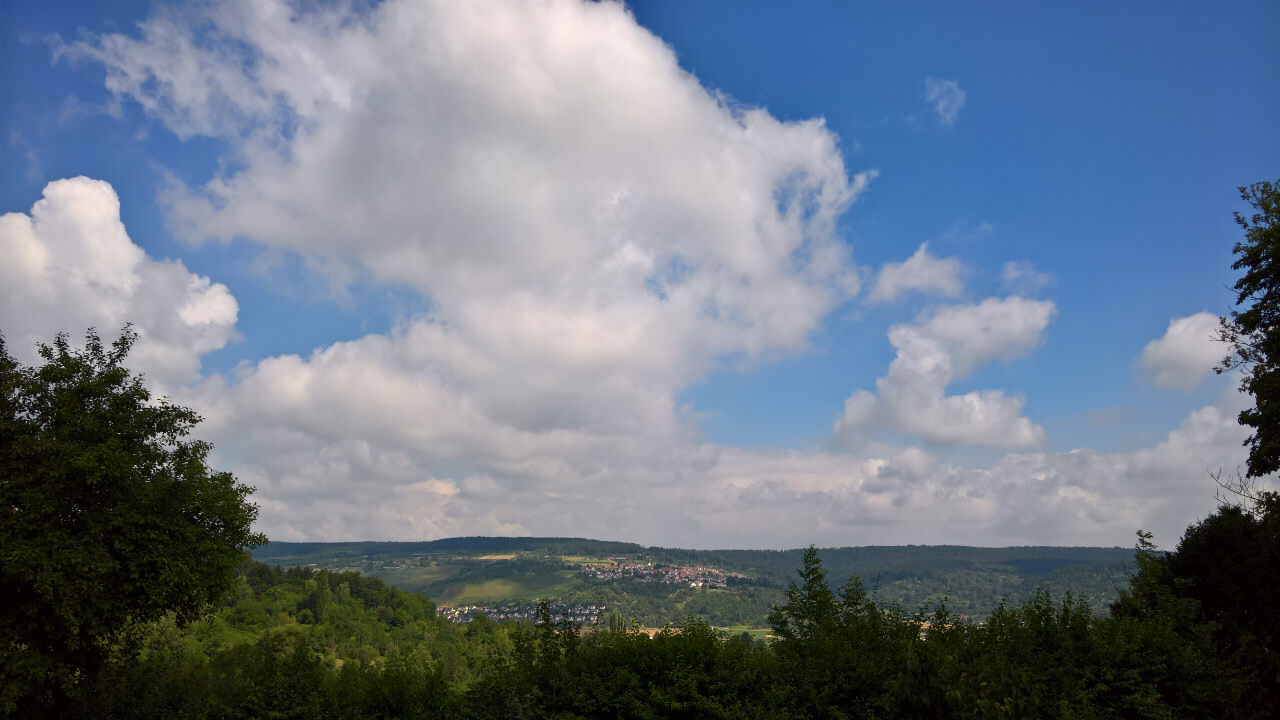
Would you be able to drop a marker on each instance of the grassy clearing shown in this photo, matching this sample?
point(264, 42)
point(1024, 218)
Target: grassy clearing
point(520, 586)
point(583, 560)
point(414, 579)
point(483, 592)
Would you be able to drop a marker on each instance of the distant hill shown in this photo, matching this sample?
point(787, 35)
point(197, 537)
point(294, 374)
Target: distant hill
point(274, 552)
point(492, 570)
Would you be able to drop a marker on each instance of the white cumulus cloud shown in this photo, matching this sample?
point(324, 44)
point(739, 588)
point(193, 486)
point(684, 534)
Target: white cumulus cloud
point(405, 458)
point(1186, 353)
point(921, 272)
point(70, 265)
point(539, 170)
point(897, 495)
point(591, 226)
point(943, 347)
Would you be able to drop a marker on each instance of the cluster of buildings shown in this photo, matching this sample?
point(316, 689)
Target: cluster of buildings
point(695, 576)
point(576, 614)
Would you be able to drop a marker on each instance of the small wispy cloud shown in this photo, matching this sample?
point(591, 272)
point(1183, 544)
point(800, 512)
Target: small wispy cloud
point(921, 272)
point(1021, 277)
point(74, 108)
point(35, 172)
point(946, 97)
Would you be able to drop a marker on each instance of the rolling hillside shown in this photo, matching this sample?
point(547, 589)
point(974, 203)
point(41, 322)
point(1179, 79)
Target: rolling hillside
point(497, 570)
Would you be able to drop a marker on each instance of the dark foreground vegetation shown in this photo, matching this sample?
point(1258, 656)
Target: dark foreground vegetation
point(1194, 637)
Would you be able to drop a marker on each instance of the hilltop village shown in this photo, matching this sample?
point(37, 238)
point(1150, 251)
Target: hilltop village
point(696, 576)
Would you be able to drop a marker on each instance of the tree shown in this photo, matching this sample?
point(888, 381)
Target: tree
point(1238, 597)
point(1254, 332)
point(109, 515)
point(810, 610)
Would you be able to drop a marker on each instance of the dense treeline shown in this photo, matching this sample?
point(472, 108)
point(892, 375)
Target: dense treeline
point(294, 643)
point(1194, 636)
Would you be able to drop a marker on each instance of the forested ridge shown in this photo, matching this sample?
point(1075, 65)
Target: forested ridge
point(970, 580)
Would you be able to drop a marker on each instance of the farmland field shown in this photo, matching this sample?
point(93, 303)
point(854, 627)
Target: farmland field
point(520, 587)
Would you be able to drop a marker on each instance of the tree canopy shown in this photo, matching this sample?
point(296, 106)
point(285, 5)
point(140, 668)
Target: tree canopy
point(1254, 330)
point(109, 515)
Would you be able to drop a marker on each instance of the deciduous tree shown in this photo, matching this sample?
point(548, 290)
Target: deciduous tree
point(1254, 330)
point(109, 514)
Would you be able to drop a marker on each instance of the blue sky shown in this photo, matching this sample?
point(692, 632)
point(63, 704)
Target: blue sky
point(643, 272)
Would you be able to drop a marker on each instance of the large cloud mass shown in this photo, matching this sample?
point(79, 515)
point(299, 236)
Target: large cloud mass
point(591, 226)
point(539, 170)
point(365, 439)
point(593, 229)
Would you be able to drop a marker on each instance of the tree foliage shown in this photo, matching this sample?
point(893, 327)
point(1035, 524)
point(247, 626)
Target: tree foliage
point(1254, 331)
point(1216, 590)
point(109, 515)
